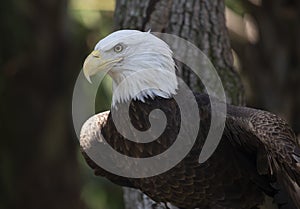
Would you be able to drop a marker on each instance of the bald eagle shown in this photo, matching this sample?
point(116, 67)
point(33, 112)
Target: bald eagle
point(257, 157)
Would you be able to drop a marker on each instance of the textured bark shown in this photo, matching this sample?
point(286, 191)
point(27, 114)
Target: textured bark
point(272, 63)
point(200, 22)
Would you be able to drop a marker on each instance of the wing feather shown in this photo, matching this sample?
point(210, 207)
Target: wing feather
point(273, 141)
point(90, 132)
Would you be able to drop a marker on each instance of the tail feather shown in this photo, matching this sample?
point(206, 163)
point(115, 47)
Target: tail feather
point(288, 178)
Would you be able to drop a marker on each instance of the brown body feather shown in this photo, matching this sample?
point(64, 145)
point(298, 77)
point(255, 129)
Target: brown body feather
point(257, 151)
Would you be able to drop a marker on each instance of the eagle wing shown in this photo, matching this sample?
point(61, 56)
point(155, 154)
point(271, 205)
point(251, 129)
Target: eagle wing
point(258, 135)
point(274, 143)
point(91, 132)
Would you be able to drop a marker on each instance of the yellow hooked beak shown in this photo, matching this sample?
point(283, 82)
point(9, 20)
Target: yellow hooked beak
point(95, 63)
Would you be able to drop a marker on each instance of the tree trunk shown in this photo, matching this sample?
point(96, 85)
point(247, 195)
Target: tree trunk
point(38, 147)
point(200, 22)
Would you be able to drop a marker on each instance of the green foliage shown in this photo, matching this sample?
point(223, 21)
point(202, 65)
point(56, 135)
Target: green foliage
point(97, 192)
point(236, 6)
point(99, 24)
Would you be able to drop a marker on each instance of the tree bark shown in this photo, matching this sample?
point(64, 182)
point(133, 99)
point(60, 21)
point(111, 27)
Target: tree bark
point(200, 22)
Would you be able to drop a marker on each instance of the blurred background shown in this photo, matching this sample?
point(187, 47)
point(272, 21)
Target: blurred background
point(42, 48)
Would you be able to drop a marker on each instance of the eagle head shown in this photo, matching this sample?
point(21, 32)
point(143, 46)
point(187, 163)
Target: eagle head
point(138, 62)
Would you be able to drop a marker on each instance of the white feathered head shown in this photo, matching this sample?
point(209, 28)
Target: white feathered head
point(140, 64)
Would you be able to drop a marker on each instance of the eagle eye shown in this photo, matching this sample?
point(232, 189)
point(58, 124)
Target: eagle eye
point(118, 48)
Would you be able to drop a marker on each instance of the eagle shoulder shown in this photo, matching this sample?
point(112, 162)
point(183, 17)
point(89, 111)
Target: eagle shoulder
point(91, 132)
